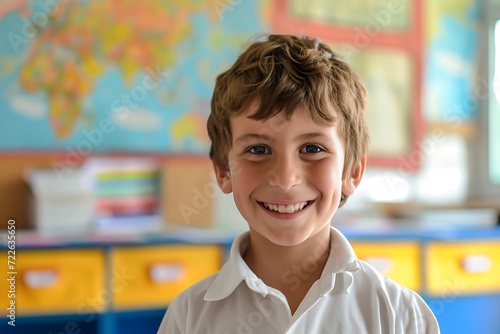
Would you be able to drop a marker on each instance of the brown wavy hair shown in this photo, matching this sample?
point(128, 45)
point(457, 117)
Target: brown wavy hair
point(281, 73)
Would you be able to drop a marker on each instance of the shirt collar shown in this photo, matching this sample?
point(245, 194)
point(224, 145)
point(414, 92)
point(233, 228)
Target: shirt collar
point(235, 270)
point(342, 260)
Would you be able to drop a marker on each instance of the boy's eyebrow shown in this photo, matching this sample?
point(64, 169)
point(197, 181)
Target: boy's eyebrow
point(254, 136)
point(313, 135)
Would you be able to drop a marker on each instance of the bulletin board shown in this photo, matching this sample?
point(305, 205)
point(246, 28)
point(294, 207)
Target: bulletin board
point(382, 39)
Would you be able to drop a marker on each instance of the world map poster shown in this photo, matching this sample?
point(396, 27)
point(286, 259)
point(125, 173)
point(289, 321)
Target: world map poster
point(116, 75)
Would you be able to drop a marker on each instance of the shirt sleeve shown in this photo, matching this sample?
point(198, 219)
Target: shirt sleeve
point(420, 319)
point(172, 322)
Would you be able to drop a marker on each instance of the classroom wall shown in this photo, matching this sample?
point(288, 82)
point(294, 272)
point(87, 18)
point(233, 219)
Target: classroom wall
point(137, 79)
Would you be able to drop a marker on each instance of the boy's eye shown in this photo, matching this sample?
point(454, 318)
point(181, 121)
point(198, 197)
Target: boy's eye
point(311, 149)
point(258, 150)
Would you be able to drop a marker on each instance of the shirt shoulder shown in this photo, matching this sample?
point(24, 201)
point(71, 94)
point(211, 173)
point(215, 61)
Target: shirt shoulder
point(183, 315)
point(176, 319)
point(399, 306)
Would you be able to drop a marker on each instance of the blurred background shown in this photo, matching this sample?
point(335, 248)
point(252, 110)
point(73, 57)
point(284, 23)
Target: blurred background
point(108, 204)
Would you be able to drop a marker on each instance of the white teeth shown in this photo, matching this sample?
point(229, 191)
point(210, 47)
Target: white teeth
point(281, 208)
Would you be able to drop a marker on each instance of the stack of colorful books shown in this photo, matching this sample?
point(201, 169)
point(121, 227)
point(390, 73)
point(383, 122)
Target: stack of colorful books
point(126, 192)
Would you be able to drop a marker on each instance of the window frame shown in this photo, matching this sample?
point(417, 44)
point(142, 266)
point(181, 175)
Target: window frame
point(481, 187)
point(410, 41)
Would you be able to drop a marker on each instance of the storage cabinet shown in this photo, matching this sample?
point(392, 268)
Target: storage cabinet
point(465, 267)
point(105, 288)
point(125, 287)
point(151, 276)
point(62, 281)
point(397, 260)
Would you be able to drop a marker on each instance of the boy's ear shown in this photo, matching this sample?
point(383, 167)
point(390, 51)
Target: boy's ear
point(351, 182)
point(223, 179)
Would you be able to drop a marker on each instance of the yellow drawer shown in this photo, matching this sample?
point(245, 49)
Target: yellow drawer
point(463, 267)
point(399, 261)
point(57, 281)
point(151, 276)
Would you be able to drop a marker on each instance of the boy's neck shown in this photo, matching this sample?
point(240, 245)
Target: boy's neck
point(289, 269)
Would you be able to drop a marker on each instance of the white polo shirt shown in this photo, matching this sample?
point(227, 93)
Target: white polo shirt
point(350, 297)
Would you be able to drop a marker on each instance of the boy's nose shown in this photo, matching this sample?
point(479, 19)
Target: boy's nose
point(285, 172)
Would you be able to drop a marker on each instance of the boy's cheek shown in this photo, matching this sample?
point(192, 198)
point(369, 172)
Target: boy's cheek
point(244, 168)
point(327, 171)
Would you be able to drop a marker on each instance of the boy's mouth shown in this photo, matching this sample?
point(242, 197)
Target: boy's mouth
point(286, 208)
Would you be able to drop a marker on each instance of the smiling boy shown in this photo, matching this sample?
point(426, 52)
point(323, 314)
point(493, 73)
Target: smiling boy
point(289, 140)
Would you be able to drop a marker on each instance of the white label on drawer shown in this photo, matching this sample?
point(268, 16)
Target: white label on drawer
point(166, 272)
point(40, 278)
point(382, 264)
point(476, 263)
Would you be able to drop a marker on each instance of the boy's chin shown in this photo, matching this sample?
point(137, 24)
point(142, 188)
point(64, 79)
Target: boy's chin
point(289, 242)
point(289, 239)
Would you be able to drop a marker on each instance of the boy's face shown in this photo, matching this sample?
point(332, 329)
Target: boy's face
point(286, 176)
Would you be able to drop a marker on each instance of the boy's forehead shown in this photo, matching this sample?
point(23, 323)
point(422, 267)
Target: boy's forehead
point(283, 113)
point(275, 122)
point(245, 124)
point(275, 125)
